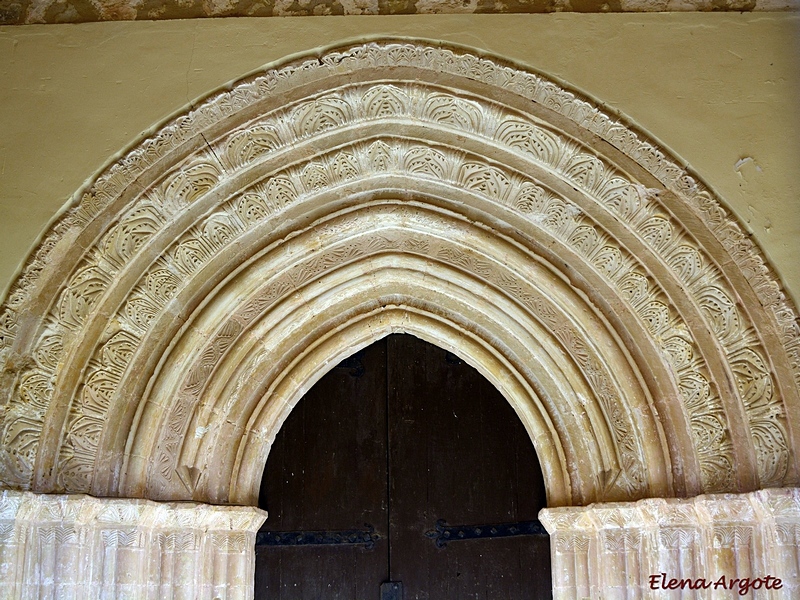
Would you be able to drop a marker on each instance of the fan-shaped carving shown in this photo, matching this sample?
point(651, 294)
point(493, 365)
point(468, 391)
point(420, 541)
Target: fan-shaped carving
point(196, 289)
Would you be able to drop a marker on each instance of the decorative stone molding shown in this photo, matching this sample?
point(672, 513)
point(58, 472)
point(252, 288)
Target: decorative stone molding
point(82, 547)
point(168, 323)
point(647, 548)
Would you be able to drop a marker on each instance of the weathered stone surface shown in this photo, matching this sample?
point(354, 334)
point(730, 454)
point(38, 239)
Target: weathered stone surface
point(719, 546)
point(75, 547)
point(84, 547)
point(19, 12)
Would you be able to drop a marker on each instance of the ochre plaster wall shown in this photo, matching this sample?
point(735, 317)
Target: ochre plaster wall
point(718, 90)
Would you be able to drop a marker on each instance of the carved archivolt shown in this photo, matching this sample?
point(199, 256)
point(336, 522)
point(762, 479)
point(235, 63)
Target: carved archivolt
point(170, 320)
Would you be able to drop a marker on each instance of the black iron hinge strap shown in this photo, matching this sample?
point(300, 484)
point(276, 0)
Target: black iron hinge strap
point(352, 537)
point(444, 533)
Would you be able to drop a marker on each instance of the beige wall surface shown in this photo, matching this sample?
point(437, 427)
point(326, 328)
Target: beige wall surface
point(720, 91)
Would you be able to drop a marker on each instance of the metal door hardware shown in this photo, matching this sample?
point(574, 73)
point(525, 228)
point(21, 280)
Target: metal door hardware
point(444, 533)
point(351, 537)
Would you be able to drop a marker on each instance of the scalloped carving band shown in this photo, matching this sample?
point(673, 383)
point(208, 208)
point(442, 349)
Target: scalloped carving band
point(168, 322)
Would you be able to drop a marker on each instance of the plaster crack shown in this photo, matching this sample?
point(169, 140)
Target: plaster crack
point(189, 67)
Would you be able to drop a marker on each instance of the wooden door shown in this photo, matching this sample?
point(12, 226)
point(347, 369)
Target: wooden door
point(392, 441)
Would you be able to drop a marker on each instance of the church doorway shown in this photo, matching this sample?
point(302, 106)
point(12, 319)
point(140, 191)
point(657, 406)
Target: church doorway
point(402, 473)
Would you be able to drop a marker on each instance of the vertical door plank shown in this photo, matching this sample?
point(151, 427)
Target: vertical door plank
point(327, 471)
point(459, 452)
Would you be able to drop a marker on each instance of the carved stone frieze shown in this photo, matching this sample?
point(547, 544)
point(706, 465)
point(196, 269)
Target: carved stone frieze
point(707, 541)
point(648, 260)
point(83, 547)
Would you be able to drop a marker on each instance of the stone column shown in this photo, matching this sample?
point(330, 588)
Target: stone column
point(779, 511)
point(77, 547)
point(571, 532)
point(618, 533)
point(709, 547)
point(675, 536)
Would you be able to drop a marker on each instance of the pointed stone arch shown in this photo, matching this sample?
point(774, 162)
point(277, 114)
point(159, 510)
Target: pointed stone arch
point(172, 317)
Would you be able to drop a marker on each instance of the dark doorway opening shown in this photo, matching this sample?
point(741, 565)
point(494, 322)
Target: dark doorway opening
point(377, 468)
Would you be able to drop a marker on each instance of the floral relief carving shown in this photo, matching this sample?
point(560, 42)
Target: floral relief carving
point(250, 144)
point(60, 536)
point(622, 541)
point(320, 115)
point(382, 101)
point(187, 189)
point(571, 543)
point(189, 183)
point(197, 248)
point(630, 479)
point(164, 469)
point(732, 537)
point(178, 541)
point(678, 537)
point(116, 538)
point(194, 251)
point(134, 230)
point(79, 297)
point(132, 548)
point(630, 545)
point(453, 111)
point(788, 534)
point(230, 543)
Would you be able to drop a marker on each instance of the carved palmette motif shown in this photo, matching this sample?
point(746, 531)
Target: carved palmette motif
point(178, 541)
point(787, 534)
point(187, 218)
point(620, 540)
point(197, 247)
point(570, 543)
point(731, 536)
point(629, 480)
point(75, 546)
point(678, 537)
point(231, 542)
point(674, 539)
point(116, 538)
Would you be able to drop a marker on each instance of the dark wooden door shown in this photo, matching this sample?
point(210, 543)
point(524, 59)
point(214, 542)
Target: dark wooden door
point(391, 441)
